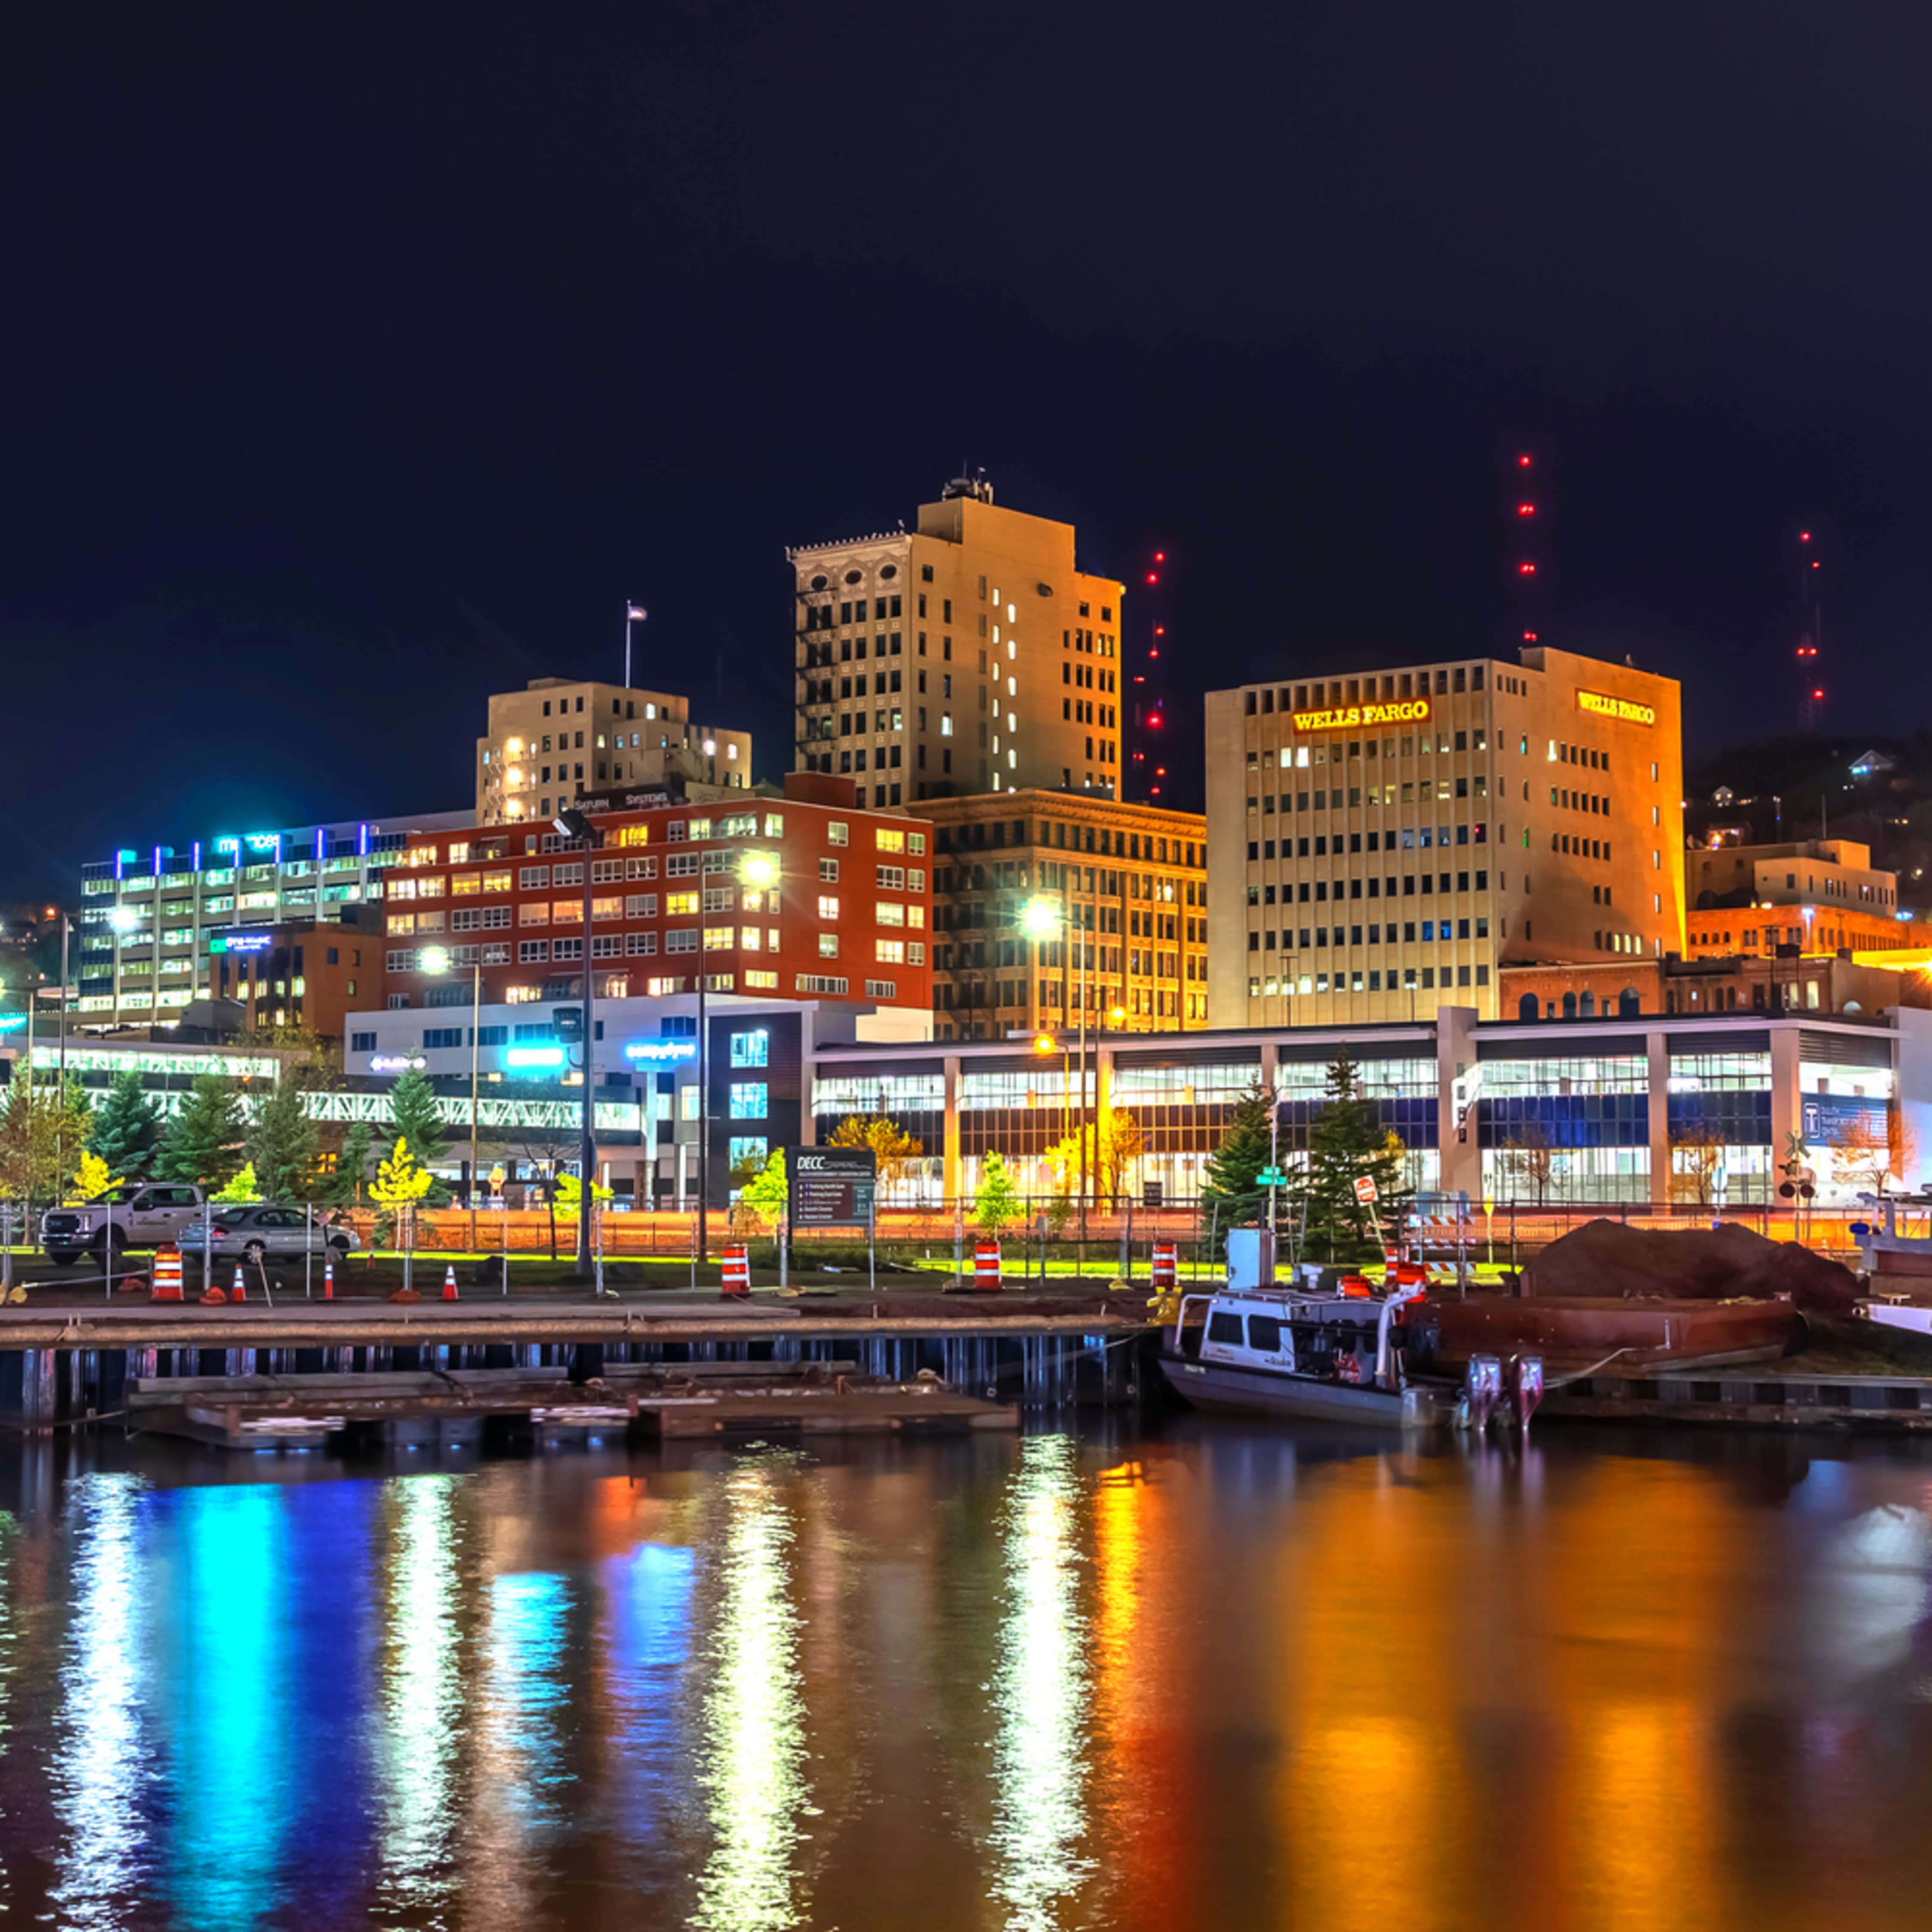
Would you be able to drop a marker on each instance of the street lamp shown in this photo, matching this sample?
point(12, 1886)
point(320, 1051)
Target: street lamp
point(571, 822)
point(1041, 919)
point(757, 872)
point(437, 960)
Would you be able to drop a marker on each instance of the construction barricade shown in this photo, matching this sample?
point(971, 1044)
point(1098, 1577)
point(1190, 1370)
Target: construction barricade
point(738, 1273)
point(167, 1273)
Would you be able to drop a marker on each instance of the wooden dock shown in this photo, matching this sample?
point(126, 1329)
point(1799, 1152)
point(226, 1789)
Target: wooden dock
point(473, 1409)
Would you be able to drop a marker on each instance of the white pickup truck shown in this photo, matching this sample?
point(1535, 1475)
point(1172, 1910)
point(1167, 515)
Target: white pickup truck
point(131, 1214)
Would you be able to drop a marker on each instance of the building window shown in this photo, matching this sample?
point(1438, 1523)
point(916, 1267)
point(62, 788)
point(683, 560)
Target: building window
point(749, 1150)
point(748, 1100)
point(362, 1042)
point(752, 1049)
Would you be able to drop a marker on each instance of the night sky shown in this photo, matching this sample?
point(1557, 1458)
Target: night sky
point(359, 362)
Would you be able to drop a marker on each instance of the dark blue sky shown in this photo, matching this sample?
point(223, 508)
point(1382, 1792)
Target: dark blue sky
point(358, 361)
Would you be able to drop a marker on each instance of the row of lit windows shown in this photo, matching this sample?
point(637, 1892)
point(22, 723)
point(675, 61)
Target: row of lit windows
point(1413, 978)
point(1414, 932)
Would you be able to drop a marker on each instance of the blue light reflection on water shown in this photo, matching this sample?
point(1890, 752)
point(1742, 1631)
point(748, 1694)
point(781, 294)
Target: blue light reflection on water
point(219, 1689)
point(529, 1689)
point(327, 1601)
point(647, 1600)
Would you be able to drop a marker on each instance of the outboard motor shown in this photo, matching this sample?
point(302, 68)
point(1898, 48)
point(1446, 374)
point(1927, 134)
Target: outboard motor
point(1525, 1387)
point(1485, 1385)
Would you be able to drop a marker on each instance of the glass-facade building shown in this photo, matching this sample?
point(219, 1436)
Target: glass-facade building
point(154, 918)
point(1625, 1112)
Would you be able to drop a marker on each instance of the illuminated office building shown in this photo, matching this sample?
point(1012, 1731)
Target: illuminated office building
point(966, 655)
point(1384, 842)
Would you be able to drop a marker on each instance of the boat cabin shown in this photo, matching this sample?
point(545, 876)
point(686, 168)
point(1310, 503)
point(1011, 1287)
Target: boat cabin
point(1288, 1330)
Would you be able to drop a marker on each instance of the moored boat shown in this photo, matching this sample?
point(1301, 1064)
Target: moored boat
point(1293, 1352)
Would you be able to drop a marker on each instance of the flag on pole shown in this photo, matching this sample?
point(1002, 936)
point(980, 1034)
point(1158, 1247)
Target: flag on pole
point(635, 613)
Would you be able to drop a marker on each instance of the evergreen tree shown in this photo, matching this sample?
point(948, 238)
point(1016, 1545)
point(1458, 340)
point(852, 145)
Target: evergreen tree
point(280, 1143)
point(413, 1116)
point(1347, 1144)
point(1231, 1185)
point(200, 1144)
point(126, 1127)
point(345, 1185)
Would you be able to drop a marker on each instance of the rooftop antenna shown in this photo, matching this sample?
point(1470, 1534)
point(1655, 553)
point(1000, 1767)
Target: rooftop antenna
point(1810, 636)
point(1524, 518)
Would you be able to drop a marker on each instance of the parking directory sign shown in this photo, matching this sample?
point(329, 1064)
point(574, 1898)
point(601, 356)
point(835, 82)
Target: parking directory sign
point(830, 1187)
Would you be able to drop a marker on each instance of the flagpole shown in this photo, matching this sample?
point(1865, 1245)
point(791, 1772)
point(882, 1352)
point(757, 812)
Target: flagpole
point(633, 613)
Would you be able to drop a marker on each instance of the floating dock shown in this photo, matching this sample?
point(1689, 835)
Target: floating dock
point(473, 1409)
point(69, 1364)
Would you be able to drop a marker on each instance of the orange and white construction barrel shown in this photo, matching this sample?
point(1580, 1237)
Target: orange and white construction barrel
point(167, 1273)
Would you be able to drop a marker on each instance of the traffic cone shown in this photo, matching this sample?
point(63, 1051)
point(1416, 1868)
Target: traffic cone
point(449, 1282)
point(329, 1281)
point(241, 1294)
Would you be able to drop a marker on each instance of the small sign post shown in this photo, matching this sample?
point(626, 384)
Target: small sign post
point(833, 1187)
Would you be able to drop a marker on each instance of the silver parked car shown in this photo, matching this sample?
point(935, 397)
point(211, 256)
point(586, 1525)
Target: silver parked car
point(250, 1233)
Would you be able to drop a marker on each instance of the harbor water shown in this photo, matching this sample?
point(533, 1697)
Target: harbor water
point(1200, 1675)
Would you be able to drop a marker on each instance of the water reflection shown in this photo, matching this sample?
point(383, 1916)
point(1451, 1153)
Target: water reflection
point(223, 1690)
point(421, 1694)
point(1222, 1678)
point(752, 1760)
point(97, 1771)
point(1040, 1692)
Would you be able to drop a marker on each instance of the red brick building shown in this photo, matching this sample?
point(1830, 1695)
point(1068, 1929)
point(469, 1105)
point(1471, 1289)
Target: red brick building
point(804, 896)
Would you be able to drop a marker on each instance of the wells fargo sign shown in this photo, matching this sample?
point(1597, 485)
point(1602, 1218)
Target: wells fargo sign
point(1408, 711)
point(1626, 710)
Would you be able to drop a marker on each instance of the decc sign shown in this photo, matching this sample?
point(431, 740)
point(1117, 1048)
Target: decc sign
point(830, 1187)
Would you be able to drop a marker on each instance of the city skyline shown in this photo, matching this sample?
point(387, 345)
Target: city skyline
point(404, 413)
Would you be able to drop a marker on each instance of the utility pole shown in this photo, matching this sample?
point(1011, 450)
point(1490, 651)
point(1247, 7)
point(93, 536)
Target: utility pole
point(573, 823)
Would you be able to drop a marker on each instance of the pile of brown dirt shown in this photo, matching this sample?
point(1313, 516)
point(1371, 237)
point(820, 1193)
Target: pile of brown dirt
point(1696, 1264)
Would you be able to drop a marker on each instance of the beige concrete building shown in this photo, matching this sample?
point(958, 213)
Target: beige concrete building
point(1047, 905)
point(966, 655)
point(1382, 843)
point(560, 737)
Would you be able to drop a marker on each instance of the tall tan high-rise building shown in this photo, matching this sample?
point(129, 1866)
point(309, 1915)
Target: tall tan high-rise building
point(967, 655)
point(561, 738)
point(1381, 843)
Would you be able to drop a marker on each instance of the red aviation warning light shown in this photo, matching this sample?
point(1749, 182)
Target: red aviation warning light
point(1522, 463)
point(1529, 637)
point(1526, 570)
point(1152, 578)
point(1160, 556)
point(1526, 509)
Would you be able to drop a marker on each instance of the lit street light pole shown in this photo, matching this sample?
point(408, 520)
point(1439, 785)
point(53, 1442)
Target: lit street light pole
point(572, 822)
point(435, 959)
